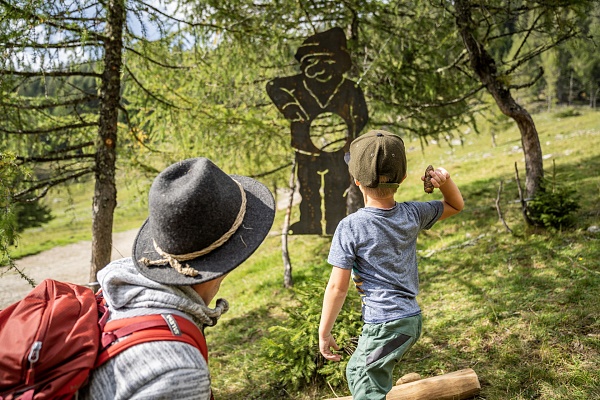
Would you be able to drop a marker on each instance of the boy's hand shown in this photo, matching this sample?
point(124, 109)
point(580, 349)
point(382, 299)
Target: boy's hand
point(325, 345)
point(438, 176)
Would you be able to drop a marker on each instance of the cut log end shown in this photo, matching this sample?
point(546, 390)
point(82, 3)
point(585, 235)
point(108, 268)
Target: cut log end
point(413, 376)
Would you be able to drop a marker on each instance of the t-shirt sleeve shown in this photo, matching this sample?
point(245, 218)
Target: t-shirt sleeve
point(341, 252)
point(429, 212)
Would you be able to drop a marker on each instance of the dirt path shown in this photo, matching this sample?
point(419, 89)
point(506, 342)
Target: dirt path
point(71, 263)
point(67, 263)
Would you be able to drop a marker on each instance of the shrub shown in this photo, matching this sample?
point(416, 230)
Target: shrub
point(553, 207)
point(32, 214)
point(293, 349)
point(569, 112)
point(8, 219)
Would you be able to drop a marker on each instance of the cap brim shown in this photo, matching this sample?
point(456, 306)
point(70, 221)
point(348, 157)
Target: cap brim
point(260, 212)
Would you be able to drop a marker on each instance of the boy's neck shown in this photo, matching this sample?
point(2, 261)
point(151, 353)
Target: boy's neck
point(386, 202)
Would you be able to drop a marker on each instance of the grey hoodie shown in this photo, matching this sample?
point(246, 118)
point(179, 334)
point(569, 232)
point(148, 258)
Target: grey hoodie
point(153, 370)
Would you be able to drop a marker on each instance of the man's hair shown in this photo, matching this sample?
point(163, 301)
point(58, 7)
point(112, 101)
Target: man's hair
point(380, 192)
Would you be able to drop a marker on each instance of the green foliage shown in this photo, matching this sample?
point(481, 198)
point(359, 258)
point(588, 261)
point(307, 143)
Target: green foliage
point(554, 204)
point(521, 310)
point(566, 113)
point(553, 207)
point(32, 214)
point(8, 231)
point(293, 349)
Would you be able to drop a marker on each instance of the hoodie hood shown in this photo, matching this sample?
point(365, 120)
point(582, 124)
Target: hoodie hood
point(130, 294)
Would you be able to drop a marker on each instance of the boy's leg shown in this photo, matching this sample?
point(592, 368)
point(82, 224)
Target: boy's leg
point(380, 347)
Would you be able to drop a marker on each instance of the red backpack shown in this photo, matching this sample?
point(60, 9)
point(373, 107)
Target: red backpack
point(51, 340)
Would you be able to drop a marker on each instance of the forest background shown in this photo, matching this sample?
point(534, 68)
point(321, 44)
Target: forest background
point(519, 306)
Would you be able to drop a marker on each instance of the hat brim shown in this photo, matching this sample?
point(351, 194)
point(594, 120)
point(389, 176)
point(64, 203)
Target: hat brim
point(260, 212)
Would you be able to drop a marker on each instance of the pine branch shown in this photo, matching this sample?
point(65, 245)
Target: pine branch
point(453, 101)
point(49, 159)
point(43, 106)
point(72, 44)
point(49, 130)
point(261, 175)
point(47, 20)
point(153, 61)
point(147, 91)
point(71, 148)
point(181, 21)
point(540, 50)
point(28, 74)
point(47, 184)
point(132, 130)
point(530, 83)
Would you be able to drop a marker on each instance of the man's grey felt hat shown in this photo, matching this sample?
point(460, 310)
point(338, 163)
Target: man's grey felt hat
point(196, 208)
point(377, 153)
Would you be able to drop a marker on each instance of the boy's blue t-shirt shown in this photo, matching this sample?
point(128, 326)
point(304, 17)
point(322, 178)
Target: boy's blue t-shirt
point(380, 246)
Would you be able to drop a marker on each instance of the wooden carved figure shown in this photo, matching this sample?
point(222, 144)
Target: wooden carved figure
point(327, 111)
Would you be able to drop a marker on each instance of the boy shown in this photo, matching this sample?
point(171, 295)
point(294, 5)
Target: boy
point(377, 246)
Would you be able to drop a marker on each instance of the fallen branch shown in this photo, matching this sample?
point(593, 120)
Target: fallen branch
point(522, 198)
point(471, 242)
point(499, 210)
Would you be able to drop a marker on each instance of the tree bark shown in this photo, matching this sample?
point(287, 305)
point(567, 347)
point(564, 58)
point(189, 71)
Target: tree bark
point(105, 192)
point(288, 280)
point(484, 66)
point(354, 198)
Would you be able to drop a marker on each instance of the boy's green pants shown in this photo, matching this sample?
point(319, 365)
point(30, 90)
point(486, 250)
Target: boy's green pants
point(380, 348)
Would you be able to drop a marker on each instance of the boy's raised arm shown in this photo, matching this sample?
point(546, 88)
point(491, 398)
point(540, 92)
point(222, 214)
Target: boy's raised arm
point(453, 200)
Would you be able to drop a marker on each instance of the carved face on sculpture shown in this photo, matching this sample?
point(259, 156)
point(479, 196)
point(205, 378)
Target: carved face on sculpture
point(324, 55)
point(320, 66)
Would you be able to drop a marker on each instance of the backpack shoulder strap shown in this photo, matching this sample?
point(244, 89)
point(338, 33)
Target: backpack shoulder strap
point(121, 334)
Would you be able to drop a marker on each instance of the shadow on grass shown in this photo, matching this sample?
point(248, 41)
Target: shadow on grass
point(234, 345)
point(521, 311)
point(523, 315)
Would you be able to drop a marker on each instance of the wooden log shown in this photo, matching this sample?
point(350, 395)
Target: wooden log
point(458, 385)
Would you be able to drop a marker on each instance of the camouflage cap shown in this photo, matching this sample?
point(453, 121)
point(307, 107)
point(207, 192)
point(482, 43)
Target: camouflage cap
point(378, 153)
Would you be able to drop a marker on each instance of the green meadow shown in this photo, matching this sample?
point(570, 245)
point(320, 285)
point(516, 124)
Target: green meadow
point(518, 306)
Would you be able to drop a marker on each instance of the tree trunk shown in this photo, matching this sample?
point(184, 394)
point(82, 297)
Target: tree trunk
point(484, 66)
point(105, 192)
point(354, 199)
point(570, 89)
point(288, 281)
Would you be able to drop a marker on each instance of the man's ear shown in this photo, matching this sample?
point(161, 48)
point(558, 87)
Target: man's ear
point(356, 182)
point(405, 175)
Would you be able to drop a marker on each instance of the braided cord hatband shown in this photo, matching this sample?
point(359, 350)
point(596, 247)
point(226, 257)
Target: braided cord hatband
point(174, 259)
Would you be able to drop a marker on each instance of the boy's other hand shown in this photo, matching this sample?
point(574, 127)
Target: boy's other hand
point(325, 345)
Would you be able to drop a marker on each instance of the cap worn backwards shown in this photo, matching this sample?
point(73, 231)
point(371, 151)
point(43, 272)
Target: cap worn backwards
point(378, 153)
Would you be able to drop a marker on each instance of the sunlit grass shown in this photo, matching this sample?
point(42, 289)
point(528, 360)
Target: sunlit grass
point(520, 309)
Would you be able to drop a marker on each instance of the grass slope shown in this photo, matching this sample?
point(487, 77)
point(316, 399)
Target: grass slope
point(520, 309)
